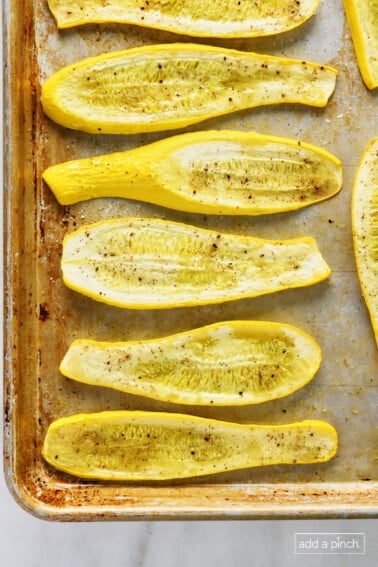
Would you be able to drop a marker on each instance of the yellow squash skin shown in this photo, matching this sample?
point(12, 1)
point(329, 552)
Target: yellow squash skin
point(137, 445)
point(362, 18)
point(365, 228)
point(162, 87)
point(142, 263)
point(225, 364)
point(210, 172)
point(216, 18)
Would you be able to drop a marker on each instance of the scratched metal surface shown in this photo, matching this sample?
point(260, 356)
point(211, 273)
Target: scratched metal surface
point(42, 316)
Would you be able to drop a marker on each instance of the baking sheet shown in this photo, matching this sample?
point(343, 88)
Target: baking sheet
point(42, 317)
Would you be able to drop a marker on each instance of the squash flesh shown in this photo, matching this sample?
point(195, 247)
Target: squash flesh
point(191, 17)
point(362, 18)
point(365, 228)
point(225, 172)
point(162, 87)
point(151, 263)
point(136, 445)
point(230, 363)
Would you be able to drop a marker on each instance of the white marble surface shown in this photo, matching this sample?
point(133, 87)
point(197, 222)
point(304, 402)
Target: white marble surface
point(30, 542)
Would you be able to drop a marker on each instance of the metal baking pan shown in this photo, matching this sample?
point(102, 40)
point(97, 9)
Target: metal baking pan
point(42, 316)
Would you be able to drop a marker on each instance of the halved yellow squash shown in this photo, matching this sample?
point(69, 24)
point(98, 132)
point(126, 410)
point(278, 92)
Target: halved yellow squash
point(365, 228)
point(362, 18)
point(151, 263)
point(137, 445)
point(217, 18)
point(228, 363)
point(213, 172)
point(168, 86)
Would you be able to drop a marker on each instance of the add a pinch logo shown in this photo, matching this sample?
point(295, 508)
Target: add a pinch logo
point(329, 544)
